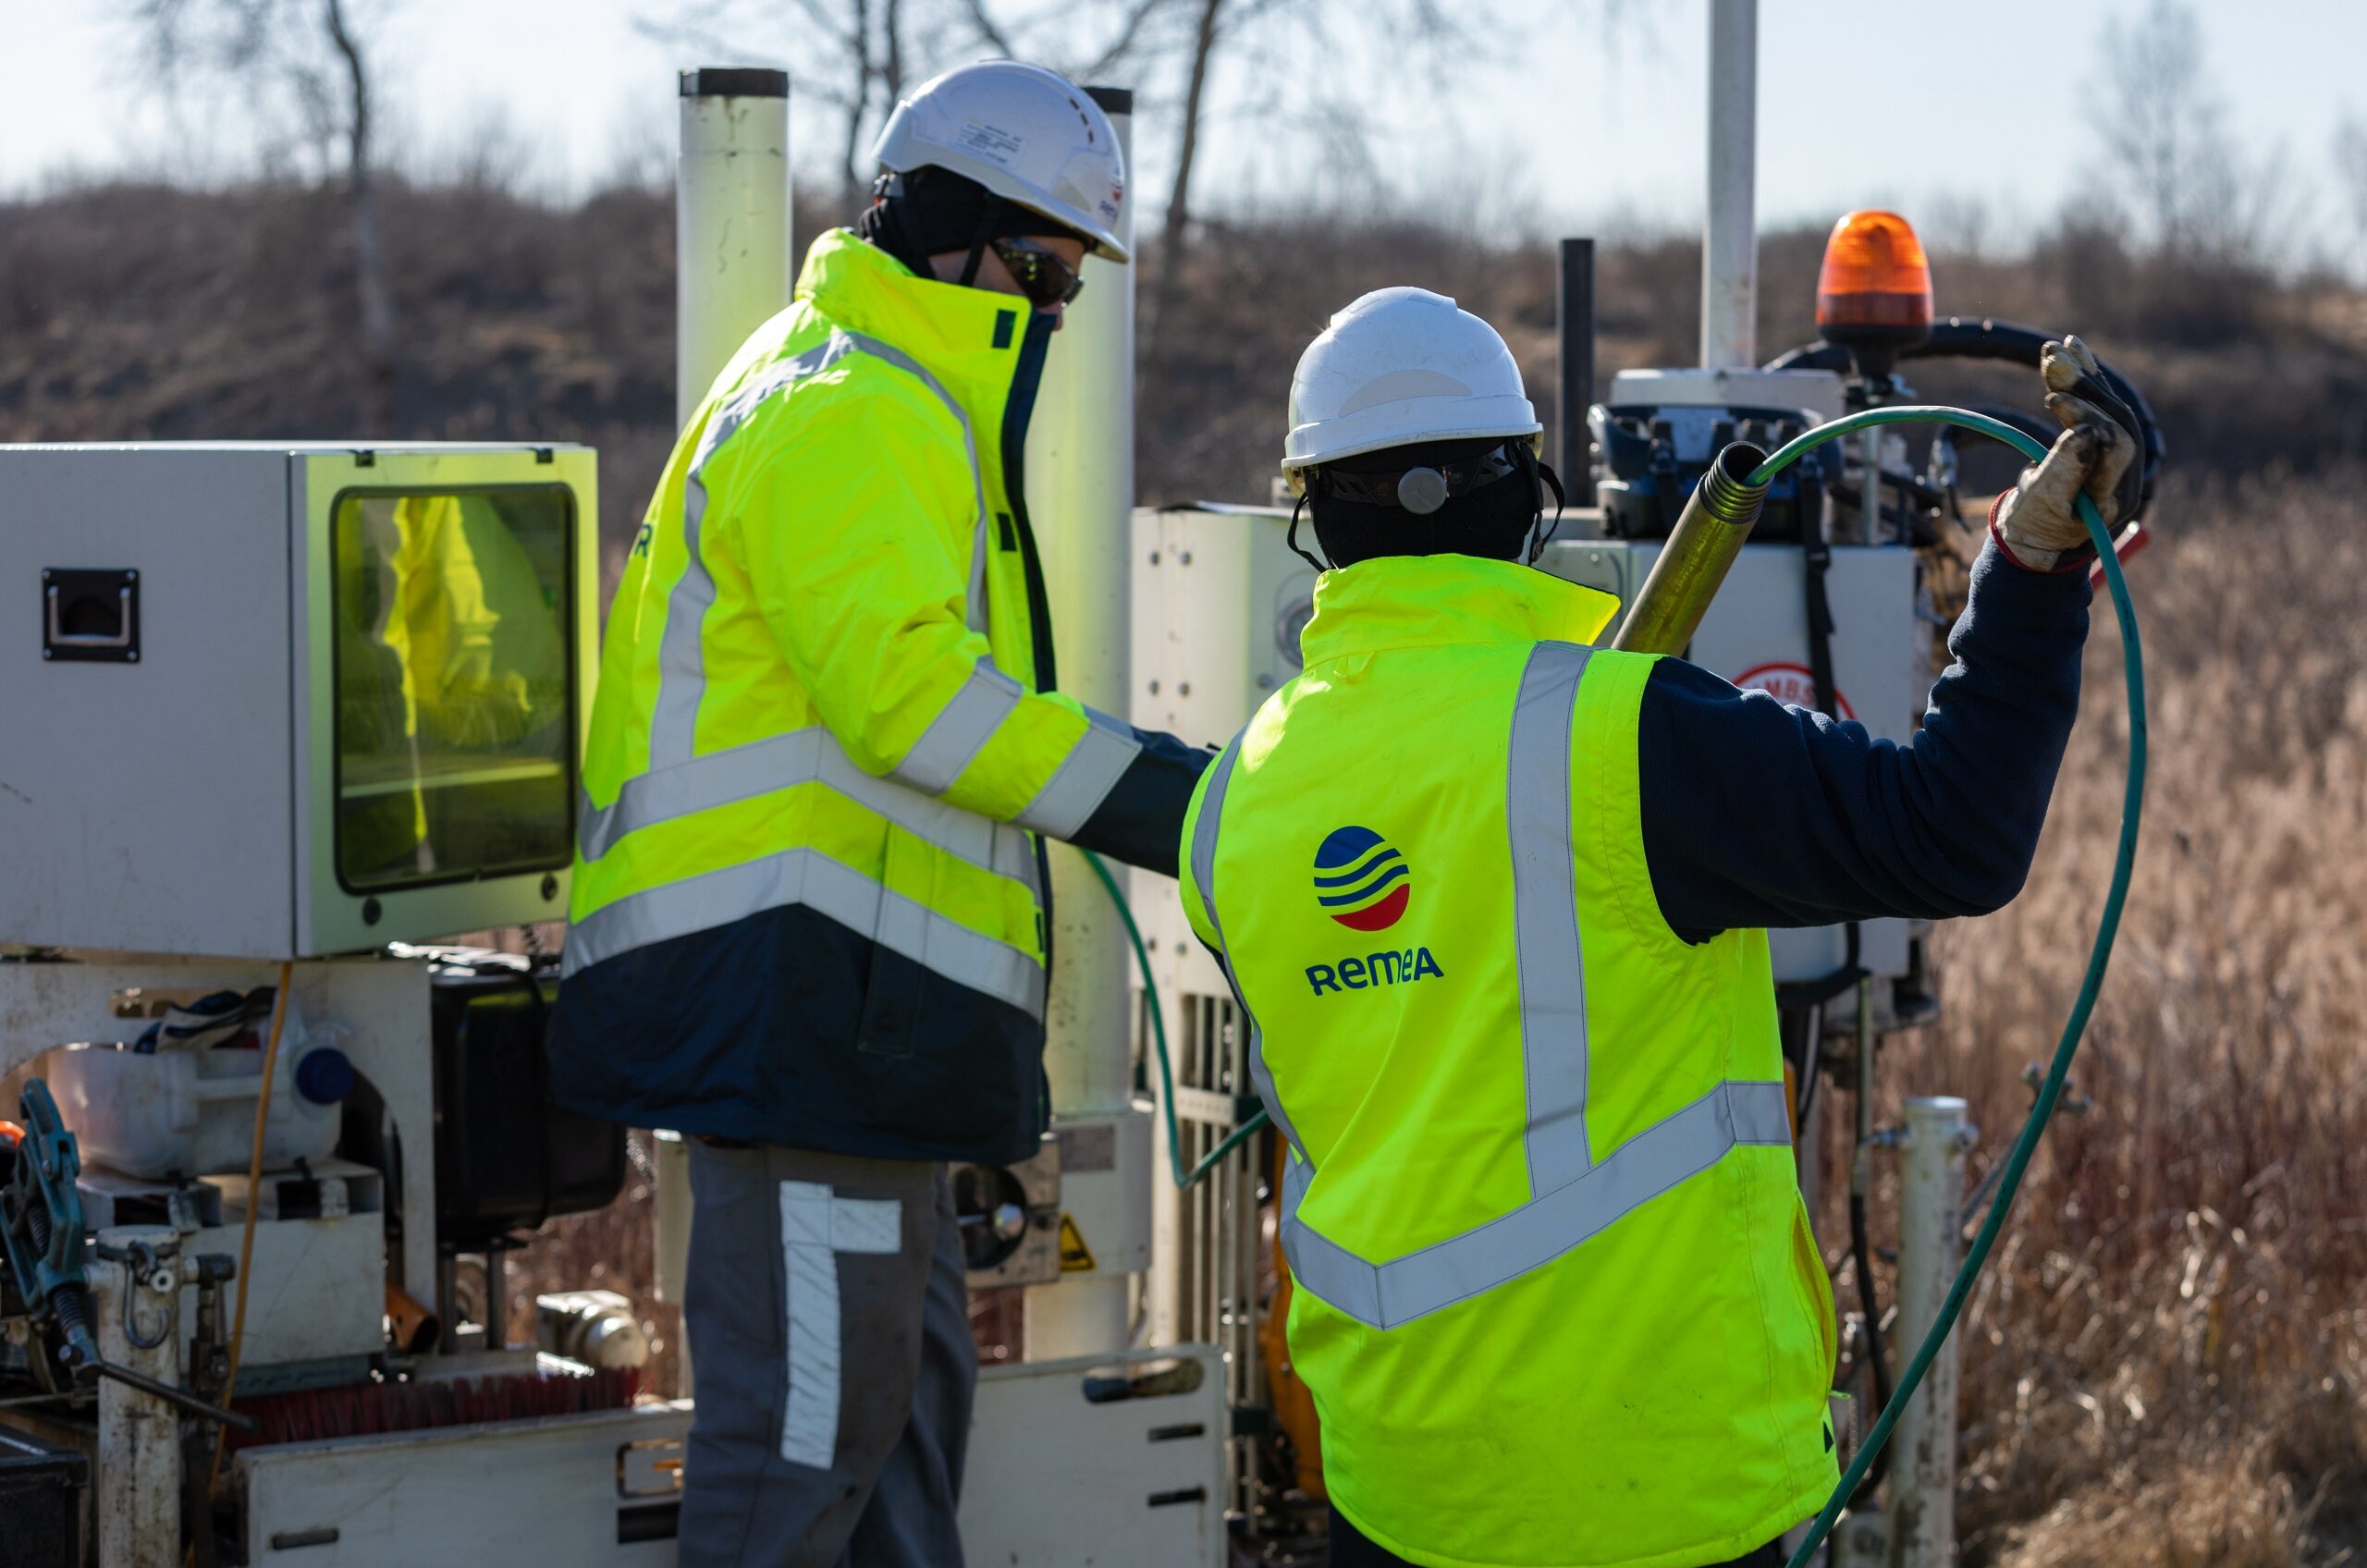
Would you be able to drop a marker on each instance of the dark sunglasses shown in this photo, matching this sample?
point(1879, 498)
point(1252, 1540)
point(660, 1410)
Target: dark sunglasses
point(1046, 279)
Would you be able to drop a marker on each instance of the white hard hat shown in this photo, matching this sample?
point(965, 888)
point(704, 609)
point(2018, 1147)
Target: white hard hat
point(1398, 366)
point(1029, 135)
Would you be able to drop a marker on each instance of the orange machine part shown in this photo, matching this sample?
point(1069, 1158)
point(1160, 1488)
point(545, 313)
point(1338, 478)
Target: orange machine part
point(1874, 275)
point(1293, 1405)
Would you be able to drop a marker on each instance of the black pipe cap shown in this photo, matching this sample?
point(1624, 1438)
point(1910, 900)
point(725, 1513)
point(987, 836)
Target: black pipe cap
point(735, 81)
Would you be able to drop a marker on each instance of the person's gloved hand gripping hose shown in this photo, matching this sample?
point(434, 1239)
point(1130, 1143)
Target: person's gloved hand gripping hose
point(2037, 522)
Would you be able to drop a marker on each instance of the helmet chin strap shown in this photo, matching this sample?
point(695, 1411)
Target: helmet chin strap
point(1540, 536)
point(978, 239)
point(1292, 537)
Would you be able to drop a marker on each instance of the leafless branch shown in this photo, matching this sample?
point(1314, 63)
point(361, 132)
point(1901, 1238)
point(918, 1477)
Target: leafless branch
point(1129, 35)
point(990, 31)
point(318, 61)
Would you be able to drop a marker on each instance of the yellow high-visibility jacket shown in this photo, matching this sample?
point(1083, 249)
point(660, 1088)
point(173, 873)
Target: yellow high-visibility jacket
point(807, 897)
point(1555, 1293)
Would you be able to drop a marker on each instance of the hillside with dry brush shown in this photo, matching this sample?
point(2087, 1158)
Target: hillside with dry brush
point(2167, 1365)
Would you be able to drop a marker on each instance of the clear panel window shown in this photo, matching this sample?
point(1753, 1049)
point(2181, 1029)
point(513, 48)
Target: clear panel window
point(455, 753)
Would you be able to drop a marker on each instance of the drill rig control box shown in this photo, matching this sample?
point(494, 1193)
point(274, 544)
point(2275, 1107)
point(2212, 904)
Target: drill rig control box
point(366, 668)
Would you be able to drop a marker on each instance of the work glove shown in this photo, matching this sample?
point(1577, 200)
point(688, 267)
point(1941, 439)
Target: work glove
point(2038, 522)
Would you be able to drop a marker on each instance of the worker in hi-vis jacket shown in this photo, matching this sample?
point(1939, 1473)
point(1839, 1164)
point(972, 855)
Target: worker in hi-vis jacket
point(1496, 900)
point(807, 919)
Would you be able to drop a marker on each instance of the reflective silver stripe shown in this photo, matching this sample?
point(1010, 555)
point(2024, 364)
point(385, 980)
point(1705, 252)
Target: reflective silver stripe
point(816, 1225)
point(961, 727)
point(802, 756)
point(1085, 778)
point(1204, 874)
point(1661, 1156)
point(1545, 916)
point(1572, 1198)
point(681, 662)
point(812, 879)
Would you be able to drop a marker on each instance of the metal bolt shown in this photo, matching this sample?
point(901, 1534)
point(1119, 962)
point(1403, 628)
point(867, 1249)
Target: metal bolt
point(1154, 557)
point(1183, 688)
point(1184, 558)
point(1154, 688)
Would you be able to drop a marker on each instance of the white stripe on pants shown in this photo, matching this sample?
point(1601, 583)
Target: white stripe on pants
point(816, 1226)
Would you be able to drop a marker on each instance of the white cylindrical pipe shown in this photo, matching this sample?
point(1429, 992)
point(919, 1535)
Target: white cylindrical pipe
point(139, 1449)
point(1080, 491)
point(732, 255)
point(1730, 228)
point(1923, 1464)
point(731, 274)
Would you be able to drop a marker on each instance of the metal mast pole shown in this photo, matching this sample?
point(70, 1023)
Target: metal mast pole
point(1923, 1464)
point(1730, 232)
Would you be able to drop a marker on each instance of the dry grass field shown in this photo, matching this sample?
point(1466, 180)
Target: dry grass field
point(2167, 1365)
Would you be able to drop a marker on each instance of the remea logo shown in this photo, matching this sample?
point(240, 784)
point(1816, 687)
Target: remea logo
point(1365, 884)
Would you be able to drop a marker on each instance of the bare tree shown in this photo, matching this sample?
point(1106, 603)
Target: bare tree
point(312, 54)
point(1322, 103)
point(857, 57)
point(1181, 54)
point(369, 255)
point(2162, 126)
point(1178, 220)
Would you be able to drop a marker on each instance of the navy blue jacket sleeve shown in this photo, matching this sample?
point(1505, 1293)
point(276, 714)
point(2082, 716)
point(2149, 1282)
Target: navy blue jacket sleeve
point(1141, 820)
point(1756, 813)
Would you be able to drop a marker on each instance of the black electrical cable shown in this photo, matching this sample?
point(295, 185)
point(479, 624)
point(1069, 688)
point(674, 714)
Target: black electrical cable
point(1861, 1254)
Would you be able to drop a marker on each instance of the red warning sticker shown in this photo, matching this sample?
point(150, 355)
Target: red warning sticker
point(1793, 684)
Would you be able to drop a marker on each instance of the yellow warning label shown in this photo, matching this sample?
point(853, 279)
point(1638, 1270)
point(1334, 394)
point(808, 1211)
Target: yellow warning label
point(1075, 1256)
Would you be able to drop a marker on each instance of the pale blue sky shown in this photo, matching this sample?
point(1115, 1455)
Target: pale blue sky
point(1917, 104)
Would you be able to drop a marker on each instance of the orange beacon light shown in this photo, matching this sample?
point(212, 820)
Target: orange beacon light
point(1874, 279)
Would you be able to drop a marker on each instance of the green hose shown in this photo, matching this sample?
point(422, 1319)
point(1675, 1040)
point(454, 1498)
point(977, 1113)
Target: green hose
point(2050, 1090)
point(2099, 954)
point(1234, 1139)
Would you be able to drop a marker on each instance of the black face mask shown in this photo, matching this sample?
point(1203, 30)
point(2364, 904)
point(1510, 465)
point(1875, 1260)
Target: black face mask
point(1489, 503)
point(930, 210)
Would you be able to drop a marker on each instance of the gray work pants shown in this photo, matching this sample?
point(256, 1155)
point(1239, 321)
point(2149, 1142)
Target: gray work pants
point(828, 1325)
